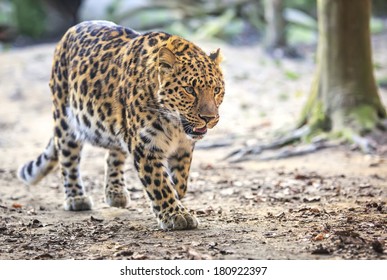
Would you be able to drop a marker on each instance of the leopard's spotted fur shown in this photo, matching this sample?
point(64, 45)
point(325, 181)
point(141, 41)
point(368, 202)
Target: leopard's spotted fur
point(152, 95)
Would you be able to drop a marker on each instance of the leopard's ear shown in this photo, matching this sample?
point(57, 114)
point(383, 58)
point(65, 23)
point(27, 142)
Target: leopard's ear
point(167, 58)
point(216, 56)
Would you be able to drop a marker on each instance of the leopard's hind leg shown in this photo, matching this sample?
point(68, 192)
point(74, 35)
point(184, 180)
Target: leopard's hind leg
point(116, 194)
point(66, 128)
point(69, 149)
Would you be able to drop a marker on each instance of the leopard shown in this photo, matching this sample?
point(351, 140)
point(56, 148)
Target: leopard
point(146, 96)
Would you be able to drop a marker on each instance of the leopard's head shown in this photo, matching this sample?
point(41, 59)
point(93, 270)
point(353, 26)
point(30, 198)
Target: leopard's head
point(191, 85)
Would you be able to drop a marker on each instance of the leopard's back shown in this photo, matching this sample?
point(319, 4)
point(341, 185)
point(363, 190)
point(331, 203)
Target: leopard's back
point(85, 78)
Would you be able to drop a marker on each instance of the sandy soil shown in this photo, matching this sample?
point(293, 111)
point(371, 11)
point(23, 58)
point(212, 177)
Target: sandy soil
point(327, 205)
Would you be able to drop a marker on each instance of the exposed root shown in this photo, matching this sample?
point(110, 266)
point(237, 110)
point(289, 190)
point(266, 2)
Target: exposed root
point(248, 152)
point(287, 152)
point(375, 142)
point(367, 146)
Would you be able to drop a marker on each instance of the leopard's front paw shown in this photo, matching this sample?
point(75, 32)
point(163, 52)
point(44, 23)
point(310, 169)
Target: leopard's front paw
point(117, 198)
point(177, 221)
point(78, 203)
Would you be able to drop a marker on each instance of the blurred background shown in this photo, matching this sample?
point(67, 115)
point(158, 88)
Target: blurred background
point(284, 208)
point(270, 91)
point(246, 22)
point(275, 39)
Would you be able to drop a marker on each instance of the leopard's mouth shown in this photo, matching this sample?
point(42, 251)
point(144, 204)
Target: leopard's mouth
point(200, 131)
point(192, 131)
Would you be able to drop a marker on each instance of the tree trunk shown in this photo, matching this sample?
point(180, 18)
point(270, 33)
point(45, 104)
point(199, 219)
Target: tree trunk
point(344, 97)
point(275, 24)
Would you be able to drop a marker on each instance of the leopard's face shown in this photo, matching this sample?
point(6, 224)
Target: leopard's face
point(191, 85)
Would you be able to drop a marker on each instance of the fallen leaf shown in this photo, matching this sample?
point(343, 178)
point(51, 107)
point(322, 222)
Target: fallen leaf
point(365, 186)
point(137, 256)
point(311, 199)
point(35, 224)
point(195, 255)
point(95, 219)
point(321, 250)
point(195, 243)
point(45, 256)
point(377, 246)
point(280, 215)
point(226, 252)
point(270, 234)
point(124, 253)
point(318, 237)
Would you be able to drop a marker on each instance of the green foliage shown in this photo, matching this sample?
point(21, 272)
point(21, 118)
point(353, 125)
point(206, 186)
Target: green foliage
point(283, 96)
point(253, 12)
point(379, 8)
point(300, 18)
point(292, 75)
point(232, 29)
point(113, 9)
point(302, 27)
point(364, 116)
point(299, 35)
point(382, 82)
point(224, 19)
point(318, 118)
point(194, 19)
point(305, 5)
point(377, 66)
point(152, 18)
point(377, 25)
point(6, 13)
point(215, 25)
point(30, 17)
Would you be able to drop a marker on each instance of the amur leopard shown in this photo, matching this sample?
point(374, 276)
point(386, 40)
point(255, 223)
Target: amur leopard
point(151, 95)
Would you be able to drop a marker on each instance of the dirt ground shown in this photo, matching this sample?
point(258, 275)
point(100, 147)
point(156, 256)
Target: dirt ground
point(326, 205)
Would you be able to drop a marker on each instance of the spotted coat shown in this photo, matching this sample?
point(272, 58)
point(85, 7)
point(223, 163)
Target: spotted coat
point(152, 95)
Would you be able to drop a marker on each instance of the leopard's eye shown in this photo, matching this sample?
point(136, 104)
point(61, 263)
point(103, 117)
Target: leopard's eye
point(190, 90)
point(216, 90)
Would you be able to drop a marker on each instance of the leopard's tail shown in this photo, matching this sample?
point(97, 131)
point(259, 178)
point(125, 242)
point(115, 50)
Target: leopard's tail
point(33, 171)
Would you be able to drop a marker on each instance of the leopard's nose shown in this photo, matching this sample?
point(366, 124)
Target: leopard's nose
point(207, 119)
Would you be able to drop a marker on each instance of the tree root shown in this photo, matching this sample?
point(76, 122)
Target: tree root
point(367, 144)
point(287, 152)
point(373, 142)
point(252, 151)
